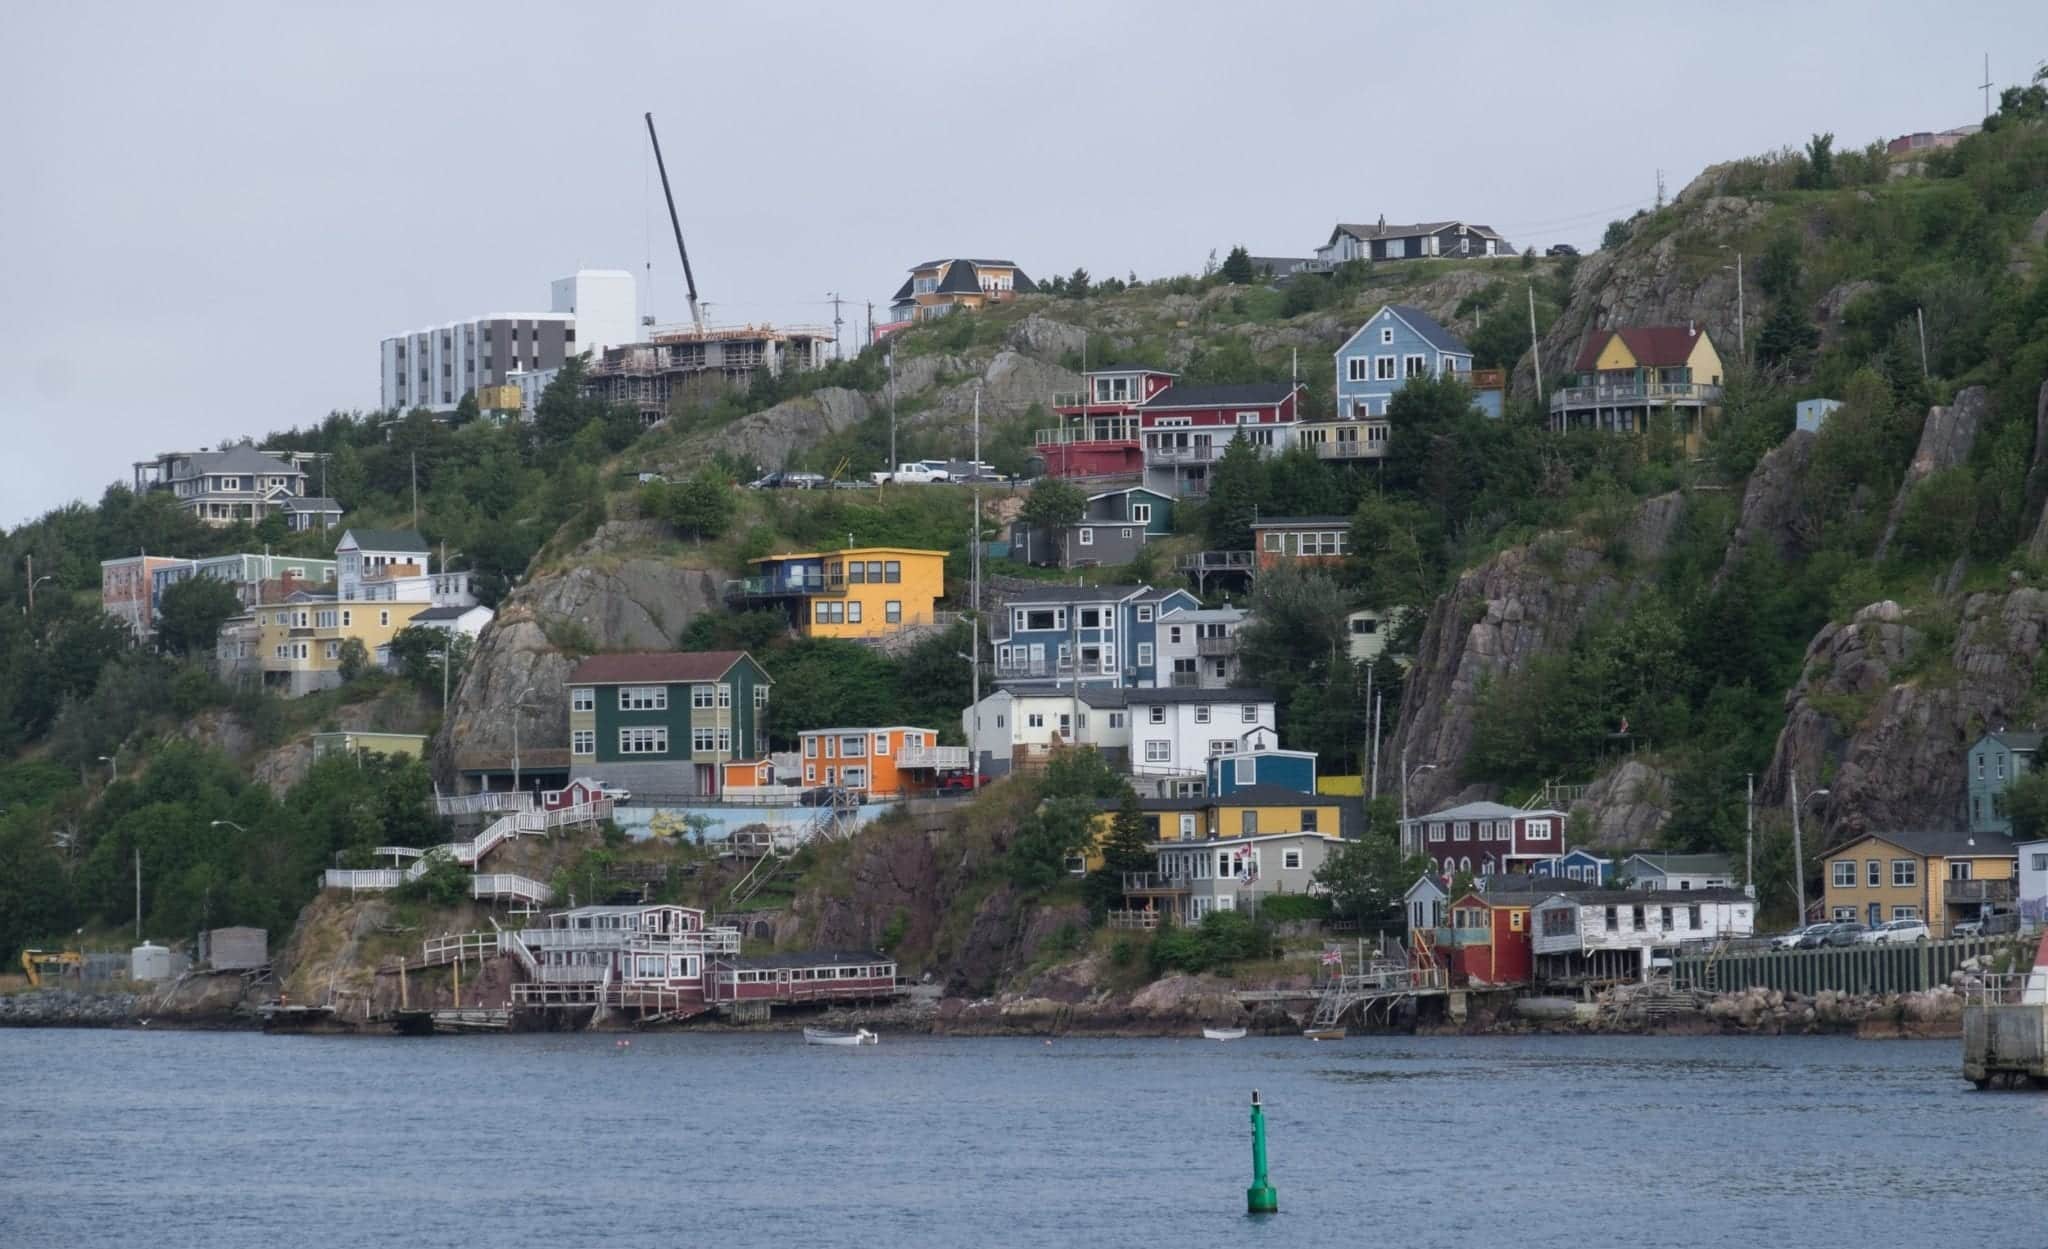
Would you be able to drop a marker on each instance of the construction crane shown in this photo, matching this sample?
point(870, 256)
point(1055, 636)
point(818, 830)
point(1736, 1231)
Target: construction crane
point(689, 278)
point(33, 962)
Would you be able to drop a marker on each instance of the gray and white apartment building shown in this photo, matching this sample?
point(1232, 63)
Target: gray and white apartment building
point(433, 368)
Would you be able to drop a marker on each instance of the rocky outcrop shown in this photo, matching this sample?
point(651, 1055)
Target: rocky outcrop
point(1773, 504)
point(1945, 442)
point(2037, 478)
point(1073, 999)
point(768, 437)
point(1834, 305)
point(598, 602)
point(1624, 810)
point(1883, 721)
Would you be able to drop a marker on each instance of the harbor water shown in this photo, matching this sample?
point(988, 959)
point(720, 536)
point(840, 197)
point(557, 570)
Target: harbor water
point(231, 1140)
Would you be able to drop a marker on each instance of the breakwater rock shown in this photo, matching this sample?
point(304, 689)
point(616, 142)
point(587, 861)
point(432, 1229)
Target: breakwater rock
point(67, 1008)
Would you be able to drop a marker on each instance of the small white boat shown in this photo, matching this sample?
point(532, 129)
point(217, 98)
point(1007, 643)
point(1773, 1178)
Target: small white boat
point(1223, 1034)
point(1324, 1034)
point(824, 1036)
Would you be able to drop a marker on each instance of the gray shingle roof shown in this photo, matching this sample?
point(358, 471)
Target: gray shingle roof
point(1687, 864)
point(316, 503)
point(2016, 741)
point(1432, 333)
point(442, 613)
point(1182, 694)
point(240, 460)
point(1250, 394)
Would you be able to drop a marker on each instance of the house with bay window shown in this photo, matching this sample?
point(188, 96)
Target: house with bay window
point(1485, 838)
point(1086, 635)
point(857, 593)
point(663, 723)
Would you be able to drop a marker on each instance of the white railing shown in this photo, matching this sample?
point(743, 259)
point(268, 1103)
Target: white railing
point(371, 878)
point(1633, 393)
point(574, 973)
point(396, 852)
point(450, 947)
point(1199, 453)
point(484, 804)
point(510, 941)
point(705, 941)
point(942, 758)
point(509, 885)
point(582, 813)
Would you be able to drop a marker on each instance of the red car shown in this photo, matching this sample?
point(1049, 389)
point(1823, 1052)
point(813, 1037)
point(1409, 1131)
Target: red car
point(959, 782)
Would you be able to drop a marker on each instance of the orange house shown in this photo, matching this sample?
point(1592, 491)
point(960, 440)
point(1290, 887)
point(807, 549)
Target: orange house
point(746, 775)
point(1304, 541)
point(891, 762)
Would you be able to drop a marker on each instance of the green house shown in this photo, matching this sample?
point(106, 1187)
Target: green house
point(1994, 763)
point(662, 723)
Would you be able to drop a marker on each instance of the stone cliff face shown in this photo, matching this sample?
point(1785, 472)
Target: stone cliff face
point(1945, 442)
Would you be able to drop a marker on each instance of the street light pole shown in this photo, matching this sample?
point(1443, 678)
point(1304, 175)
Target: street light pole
point(1798, 854)
point(974, 564)
point(1408, 774)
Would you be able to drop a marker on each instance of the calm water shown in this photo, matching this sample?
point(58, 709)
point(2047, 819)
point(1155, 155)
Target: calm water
point(231, 1140)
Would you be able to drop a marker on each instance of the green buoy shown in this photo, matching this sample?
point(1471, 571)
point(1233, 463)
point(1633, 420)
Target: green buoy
point(1260, 1197)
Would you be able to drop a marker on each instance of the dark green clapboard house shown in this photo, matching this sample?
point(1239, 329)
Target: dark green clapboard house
point(662, 723)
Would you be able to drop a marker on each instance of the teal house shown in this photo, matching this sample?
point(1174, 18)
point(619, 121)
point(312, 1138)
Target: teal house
point(1994, 763)
point(661, 724)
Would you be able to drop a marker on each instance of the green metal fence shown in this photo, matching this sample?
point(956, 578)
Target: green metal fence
point(1859, 969)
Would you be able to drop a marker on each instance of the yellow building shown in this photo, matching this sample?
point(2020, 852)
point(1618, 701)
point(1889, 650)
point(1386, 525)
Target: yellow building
point(859, 592)
point(1258, 811)
point(1941, 878)
point(1639, 380)
point(410, 745)
point(937, 287)
point(302, 642)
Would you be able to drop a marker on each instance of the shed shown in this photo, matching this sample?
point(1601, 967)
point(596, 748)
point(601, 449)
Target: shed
point(234, 949)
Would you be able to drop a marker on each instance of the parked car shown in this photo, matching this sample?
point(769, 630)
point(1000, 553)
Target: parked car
point(1898, 931)
point(789, 481)
point(1791, 940)
point(959, 782)
point(1848, 932)
point(615, 793)
point(1816, 935)
point(1560, 249)
point(916, 473)
point(1967, 928)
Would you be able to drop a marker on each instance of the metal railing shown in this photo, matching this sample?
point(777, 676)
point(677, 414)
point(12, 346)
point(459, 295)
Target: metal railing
point(1633, 393)
point(778, 587)
point(2006, 988)
point(1216, 648)
point(1195, 453)
point(1216, 561)
point(1966, 891)
point(1184, 680)
point(1118, 432)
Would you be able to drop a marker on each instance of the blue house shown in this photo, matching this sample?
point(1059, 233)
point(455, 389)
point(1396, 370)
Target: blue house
point(1580, 864)
point(1288, 769)
point(1396, 343)
point(1100, 635)
point(1994, 763)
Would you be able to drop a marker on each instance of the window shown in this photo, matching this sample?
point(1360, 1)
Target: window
point(1959, 870)
point(853, 612)
point(1354, 368)
point(1158, 752)
point(1086, 535)
point(1873, 873)
point(643, 698)
point(1905, 912)
point(701, 697)
point(1436, 832)
point(583, 698)
point(1980, 765)
point(1035, 720)
point(892, 611)
point(1383, 368)
point(1692, 916)
point(1144, 654)
point(810, 747)
point(1290, 860)
point(334, 650)
point(1414, 366)
point(1144, 613)
point(1386, 336)
point(725, 696)
point(724, 741)
point(853, 746)
point(1843, 913)
point(831, 613)
point(1635, 917)
point(1612, 919)
point(1515, 919)
point(1461, 831)
point(892, 572)
point(1141, 514)
point(1537, 830)
point(583, 742)
point(1221, 746)
point(1844, 874)
point(1905, 873)
point(1486, 830)
point(1248, 823)
point(1998, 767)
point(2039, 862)
point(1156, 715)
point(1308, 820)
point(384, 618)
point(856, 573)
point(1664, 918)
point(644, 740)
point(882, 743)
point(1249, 713)
point(1274, 541)
point(703, 741)
point(760, 697)
point(1202, 715)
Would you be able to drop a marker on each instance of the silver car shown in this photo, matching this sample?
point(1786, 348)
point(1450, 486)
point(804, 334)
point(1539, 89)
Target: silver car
point(1897, 932)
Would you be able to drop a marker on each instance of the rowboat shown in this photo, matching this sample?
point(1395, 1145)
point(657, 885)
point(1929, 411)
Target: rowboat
point(1223, 1034)
point(823, 1036)
point(1324, 1034)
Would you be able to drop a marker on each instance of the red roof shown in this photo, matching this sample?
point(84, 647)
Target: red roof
point(1653, 346)
point(655, 668)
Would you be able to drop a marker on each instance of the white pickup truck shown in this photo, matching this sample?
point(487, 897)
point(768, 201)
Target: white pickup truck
point(920, 474)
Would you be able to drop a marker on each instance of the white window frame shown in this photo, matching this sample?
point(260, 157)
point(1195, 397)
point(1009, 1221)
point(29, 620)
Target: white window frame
point(1357, 368)
point(643, 698)
point(1141, 513)
point(1144, 654)
point(1414, 365)
point(725, 697)
point(1144, 613)
point(1155, 715)
point(1385, 368)
point(583, 698)
point(1248, 713)
point(1084, 535)
point(1905, 873)
point(1536, 829)
point(1158, 750)
point(1843, 873)
point(1202, 713)
point(583, 741)
point(701, 697)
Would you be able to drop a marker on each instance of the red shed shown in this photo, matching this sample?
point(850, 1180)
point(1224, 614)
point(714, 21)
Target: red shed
point(1488, 940)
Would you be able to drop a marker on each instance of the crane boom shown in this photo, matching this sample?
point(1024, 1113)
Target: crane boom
point(689, 278)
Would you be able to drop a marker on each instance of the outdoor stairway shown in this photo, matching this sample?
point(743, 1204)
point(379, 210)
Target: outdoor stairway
point(524, 894)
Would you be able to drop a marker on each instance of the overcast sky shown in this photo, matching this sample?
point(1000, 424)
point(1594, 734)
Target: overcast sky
point(210, 214)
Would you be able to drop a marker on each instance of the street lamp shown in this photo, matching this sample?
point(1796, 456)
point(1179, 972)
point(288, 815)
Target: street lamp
point(32, 592)
point(1408, 774)
point(1798, 850)
point(229, 824)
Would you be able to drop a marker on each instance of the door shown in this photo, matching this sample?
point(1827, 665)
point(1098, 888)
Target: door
point(1876, 915)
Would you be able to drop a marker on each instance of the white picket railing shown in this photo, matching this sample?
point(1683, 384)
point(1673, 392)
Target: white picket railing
point(366, 878)
point(484, 804)
point(509, 885)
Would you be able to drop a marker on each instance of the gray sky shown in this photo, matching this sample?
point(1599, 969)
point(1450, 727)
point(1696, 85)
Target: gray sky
point(211, 214)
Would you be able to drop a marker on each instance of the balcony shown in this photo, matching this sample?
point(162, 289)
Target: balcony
point(1978, 892)
point(1216, 561)
point(1633, 395)
point(937, 758)
point(1216, 648)
point(1082, 399)
point(784, 587)
point(1154, 882)
point(1195, 453)
point(1185, 681)
point(1099, 431)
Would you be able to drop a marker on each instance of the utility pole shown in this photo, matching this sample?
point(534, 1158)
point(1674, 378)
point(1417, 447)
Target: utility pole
point(892, 411)
point(836, 322)
point(973, 562)
point(871, 326)
point(1741, 321)
point(138, 895)
point(1749, 838)
point(415, 490)
point(1798, 852)
point(1660, 190)
point(1987, 84)
point(1535, 348)
point(1920, 315)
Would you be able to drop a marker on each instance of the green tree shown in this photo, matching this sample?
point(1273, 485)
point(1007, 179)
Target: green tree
point(421, 652)
point(1777, 270)
point(1053, 503)
point(1236, 485)
point(354, 659)
point(1126, 848)
point(1077, 284)
point(1787, 340)
point(1237, 268)
point(1367, 877)
point(190, 615)
point(1818, 171)
point(703, 506)
point(2025, 803)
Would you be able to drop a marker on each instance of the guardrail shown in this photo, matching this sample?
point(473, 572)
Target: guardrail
point(940, 758)
point(1216, 561)
point(1624, 396)
point(509, 885)
point(369, 878)
point(484, 804)
point(1966, 891)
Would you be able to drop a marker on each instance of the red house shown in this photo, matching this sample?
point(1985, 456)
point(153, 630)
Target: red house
point(1485, 838)
point(1098, 431)
point(1186, 428)
point(1488, 941)
point(581, 792)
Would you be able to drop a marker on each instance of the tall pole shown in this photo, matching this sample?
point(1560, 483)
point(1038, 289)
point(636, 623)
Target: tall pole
point(675, 223)
point(836, 323)
point(415, 490)
point(138, 894)
point(1920, 314)
point(1378, 702)
point(32, 587)
point(1798, 853)
point(973, 558)
point(1404, 791)
point(892, 408)
point(1535, 349)
point(1749, 838)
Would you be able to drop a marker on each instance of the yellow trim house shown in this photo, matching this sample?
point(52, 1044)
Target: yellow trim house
point(859, 592)
point(937, 287)
point(1260, 811)
point(301, 642)
point(1942, 878)
point(1636, 379)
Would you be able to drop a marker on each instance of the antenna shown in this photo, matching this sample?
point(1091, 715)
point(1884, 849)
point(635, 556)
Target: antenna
point(689, 278)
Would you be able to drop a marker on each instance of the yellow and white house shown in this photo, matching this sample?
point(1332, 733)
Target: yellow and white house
point(1942, 878)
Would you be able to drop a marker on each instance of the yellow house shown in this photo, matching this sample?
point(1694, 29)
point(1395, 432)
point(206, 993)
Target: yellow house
point(302, 642)
point(1258, 811)
point(937, 287)
point(1630, 380)
point(859, 592)
point(1941, 878)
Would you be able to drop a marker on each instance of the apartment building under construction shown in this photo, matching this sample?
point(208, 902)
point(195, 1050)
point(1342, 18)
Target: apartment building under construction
point(687, 362)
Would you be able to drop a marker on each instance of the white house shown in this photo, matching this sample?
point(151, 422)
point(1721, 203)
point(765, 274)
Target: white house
point(1198, 647)
point(2033, 904)
point(1677, 871)
point(1610, 933)
point(1175, 731)
point(1425, 901)
point(1019, 724)
point(468, 621)
point(395, 566)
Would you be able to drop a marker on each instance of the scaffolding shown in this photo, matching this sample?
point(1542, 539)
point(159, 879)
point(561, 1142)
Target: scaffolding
point(649, 376)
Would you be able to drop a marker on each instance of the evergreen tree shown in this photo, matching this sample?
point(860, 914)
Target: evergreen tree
point(1236, 484)
point(1237, 268)
point(190, 615)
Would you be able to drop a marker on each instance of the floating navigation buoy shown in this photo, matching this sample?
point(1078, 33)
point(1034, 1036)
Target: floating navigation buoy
point(1260, 1198)
point(623, 1044)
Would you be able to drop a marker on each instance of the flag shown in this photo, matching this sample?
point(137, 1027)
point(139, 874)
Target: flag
point(1624, 726)
point(1333, 958)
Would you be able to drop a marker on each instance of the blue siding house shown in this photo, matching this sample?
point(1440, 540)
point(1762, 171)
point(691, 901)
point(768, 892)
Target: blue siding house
point(1396, 343)
point(1994, 763)
point(1103, 635)
point(1288, 769)
point(1580, 864)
